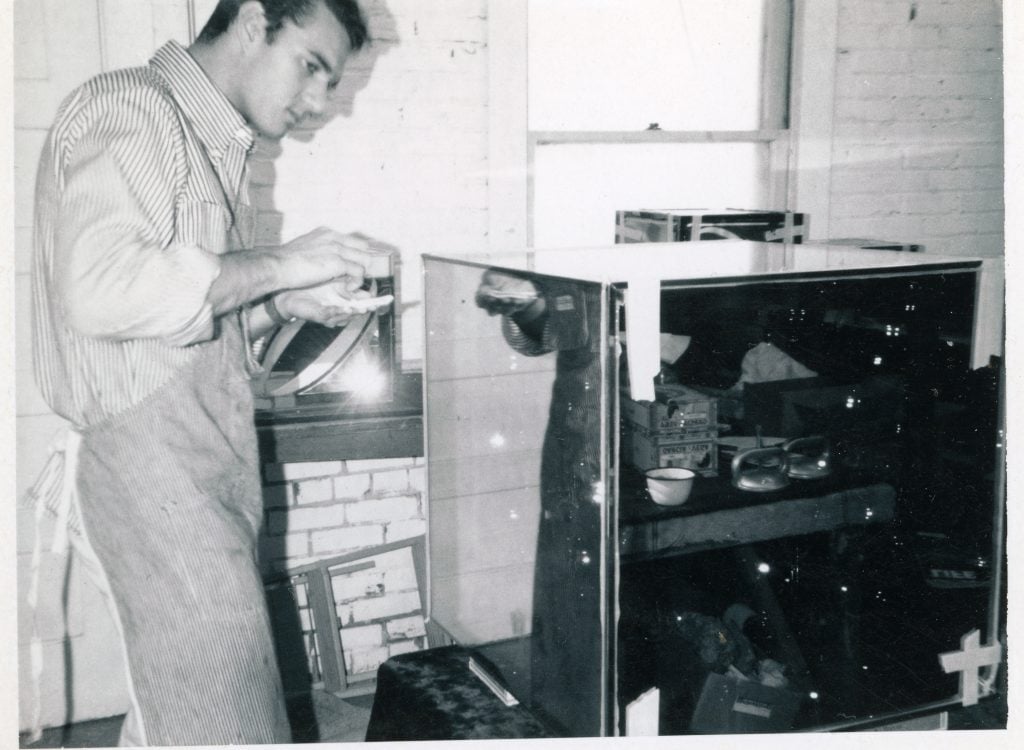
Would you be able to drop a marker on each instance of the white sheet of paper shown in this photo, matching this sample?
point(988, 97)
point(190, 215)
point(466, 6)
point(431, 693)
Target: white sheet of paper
point(367, 304)
point(643, 326)
point(642, 715)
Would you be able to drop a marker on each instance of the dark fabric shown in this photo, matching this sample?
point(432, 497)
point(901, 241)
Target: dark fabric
point(172, 503)
point(565, 659)
point(433, 695)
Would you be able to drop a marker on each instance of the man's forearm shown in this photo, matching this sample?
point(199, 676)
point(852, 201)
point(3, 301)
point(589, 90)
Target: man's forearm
point(312, 259)
point(245, 276)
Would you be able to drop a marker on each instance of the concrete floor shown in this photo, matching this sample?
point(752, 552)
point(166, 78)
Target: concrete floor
point(319, 718)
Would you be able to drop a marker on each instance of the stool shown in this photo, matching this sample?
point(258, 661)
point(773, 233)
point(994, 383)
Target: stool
point(433, 695)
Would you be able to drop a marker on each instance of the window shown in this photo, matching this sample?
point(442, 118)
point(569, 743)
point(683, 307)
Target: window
point(660, 104)
point(599, 106)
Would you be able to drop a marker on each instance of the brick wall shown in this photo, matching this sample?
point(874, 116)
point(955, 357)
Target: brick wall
point(917, 151)
point(321, 509)
point(402, 154)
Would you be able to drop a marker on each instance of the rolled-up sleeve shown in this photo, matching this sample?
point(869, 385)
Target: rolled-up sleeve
point(119, 272)
point(523, 343)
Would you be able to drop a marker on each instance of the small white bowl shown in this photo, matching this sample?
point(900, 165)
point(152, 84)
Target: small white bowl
point(669, 485)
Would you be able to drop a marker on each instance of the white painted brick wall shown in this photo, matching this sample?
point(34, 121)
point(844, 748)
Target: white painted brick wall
point(404, 647)
point(395, 531)
point(379, 608)
point(366, 660)
point(352, 485)
point(407, 150)
point(338, 541)
point(917, 155)
point(358, 637)
point(322, 509)
point(405, 627)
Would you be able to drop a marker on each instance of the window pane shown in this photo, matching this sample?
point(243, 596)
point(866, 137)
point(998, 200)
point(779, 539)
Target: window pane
point(579, 187)
point(623, 64)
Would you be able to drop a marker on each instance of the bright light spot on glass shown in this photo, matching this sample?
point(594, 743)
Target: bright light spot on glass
point(497, 440)
point(864, 667)
point(869, 513)
point(878, 360)
point(844, 589)
point(585, 558)
point(513, 515)
point(362, 377)
point(813, 695)
point(764, 567)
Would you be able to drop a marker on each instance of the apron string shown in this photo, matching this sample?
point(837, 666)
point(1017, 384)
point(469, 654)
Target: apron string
point(55, 493)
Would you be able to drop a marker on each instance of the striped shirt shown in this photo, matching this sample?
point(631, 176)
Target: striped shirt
point(142, 186)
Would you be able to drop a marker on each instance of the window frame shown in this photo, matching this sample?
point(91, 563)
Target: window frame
point(800, 145)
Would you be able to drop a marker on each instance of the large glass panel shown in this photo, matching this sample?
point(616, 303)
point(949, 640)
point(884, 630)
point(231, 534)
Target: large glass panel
point(516, 443)
point(623, 64)
point(577, 188)
point(841, 537)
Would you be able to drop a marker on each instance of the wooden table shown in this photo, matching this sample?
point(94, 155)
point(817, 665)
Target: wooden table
point(717, 515)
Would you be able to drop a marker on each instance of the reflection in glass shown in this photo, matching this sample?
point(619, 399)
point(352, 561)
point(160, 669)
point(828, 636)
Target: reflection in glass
point(554, 654)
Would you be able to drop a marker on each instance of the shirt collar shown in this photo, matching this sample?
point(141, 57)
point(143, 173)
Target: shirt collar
point(217, 123)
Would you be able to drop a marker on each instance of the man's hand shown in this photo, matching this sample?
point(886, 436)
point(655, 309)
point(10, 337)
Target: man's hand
point(332, 304)
point(315, 258)
point(323, 255)
point(505, 294)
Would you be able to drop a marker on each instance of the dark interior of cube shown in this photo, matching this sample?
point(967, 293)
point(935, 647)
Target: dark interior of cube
point(894, 392)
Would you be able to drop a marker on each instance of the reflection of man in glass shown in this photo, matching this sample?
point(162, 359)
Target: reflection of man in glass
point(540, 317)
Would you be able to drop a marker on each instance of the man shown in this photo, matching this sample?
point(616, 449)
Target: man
point(147, 294)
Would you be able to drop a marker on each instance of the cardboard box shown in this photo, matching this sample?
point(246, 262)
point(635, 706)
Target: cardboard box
point(680, 429)
point(693, 224)
point(678, 413)
point(647, 451)
point(730, 704)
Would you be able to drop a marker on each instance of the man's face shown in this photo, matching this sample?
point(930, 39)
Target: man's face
point(289, 78)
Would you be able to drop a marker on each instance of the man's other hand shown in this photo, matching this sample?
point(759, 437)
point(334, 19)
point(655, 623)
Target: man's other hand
point(332, 304)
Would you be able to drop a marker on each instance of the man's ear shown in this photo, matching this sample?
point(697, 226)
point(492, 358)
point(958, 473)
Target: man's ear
point(251, 23)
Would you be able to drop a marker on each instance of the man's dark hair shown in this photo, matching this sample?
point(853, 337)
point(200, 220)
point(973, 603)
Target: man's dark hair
point(278, 11)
